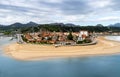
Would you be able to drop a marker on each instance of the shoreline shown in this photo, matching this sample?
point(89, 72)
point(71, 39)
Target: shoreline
point(38, 52)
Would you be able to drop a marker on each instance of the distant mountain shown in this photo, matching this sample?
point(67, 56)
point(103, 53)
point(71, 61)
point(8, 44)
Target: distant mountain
point(31, 24)
point(1, 25)
point(99, 25)
point(70, 24)
point(17, 24)
point(57, 24)
point(115, 25)
point(62, 24)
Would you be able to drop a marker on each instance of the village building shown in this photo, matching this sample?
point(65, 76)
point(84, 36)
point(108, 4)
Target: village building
point(29, 37)
point(82, 35)
point(75, 37)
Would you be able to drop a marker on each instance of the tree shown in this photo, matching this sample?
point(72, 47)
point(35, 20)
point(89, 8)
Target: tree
point(70, 36)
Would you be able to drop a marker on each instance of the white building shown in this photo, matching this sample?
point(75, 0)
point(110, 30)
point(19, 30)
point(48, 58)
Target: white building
point(82, 35)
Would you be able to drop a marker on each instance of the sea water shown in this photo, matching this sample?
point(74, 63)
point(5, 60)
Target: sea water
point(115, 38)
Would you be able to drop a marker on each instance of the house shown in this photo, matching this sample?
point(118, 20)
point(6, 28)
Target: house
point(75, 37)
point(55, 37)
point(82, 35)
point(62, 37)
point(29, 38)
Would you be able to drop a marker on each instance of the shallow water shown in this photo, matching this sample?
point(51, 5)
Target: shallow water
point(100, 66)
point(116, 38)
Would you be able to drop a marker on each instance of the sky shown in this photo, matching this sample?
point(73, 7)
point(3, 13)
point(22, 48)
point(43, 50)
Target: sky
point(80, 12)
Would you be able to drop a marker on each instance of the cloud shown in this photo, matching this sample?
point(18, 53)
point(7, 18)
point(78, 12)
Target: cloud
point(100, 3)
point(70, 7)
point(115, 5)
point(67, 11)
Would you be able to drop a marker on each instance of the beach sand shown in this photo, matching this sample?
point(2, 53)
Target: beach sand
point(34, 51)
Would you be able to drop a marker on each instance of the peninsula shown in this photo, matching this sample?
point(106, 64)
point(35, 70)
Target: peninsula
point(34, 51)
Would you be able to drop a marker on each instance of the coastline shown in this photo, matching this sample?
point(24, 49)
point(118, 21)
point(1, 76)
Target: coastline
point(33, 52)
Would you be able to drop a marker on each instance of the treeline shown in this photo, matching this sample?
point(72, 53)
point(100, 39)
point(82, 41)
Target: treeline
point(57, 28)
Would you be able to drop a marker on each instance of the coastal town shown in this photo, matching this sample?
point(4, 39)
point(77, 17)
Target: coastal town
point(59, 38)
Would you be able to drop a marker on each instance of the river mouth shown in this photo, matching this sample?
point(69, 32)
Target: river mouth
point(93, 66)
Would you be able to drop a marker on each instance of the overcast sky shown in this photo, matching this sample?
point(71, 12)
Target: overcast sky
point(81, 12)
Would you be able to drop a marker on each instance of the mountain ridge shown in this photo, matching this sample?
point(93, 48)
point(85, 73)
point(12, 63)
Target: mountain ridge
point(18, 24)
point(115, 25)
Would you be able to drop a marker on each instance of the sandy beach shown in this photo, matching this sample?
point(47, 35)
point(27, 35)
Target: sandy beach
point(34, 51)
